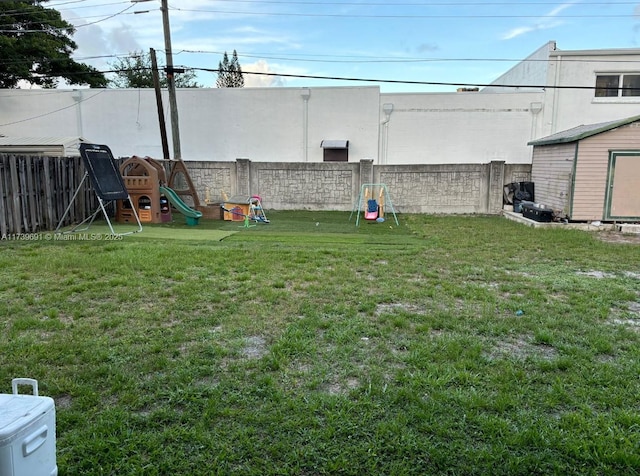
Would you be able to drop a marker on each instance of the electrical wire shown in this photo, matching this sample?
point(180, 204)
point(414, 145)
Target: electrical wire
point(409, 4)
point(51, 112)
point(412, 16)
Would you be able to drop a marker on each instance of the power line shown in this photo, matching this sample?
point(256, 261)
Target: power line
point(369, 80)
point(419, 4)
point(50, 112)
point(338, 78)
point(347, 58)
point(359, 15)
point(102, 18)
point(365, 59)
point(398, 81)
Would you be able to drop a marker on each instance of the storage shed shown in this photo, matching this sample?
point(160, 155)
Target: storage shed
point(41, 146)
point(590, 172)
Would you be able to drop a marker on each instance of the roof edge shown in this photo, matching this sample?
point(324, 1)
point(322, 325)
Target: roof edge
point(585, 131)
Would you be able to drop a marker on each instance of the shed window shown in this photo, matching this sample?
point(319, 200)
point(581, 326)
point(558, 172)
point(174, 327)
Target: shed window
point(617, 85)
point(335, 150)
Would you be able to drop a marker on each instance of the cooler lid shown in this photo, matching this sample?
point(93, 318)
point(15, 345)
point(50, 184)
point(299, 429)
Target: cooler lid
point(18, 411)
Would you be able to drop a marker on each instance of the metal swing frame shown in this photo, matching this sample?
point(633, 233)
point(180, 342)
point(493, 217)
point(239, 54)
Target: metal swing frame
point(103, 196)
point(357, 208)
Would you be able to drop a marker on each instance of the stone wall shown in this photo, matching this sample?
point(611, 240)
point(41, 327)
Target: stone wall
point(434, 189)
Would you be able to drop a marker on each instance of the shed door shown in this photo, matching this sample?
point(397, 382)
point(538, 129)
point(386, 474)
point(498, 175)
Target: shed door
point(623, 190)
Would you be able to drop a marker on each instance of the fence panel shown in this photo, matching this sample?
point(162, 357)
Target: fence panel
point(35, 191)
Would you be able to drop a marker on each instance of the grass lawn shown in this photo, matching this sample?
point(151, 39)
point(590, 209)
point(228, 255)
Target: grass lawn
point(444, 345)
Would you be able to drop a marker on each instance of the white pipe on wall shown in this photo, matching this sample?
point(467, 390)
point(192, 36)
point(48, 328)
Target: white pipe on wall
point(306, 93)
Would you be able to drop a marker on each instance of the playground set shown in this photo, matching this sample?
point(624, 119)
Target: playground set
point(143, 195)
point(150, 196)
point(373, 199)
point(241, 208)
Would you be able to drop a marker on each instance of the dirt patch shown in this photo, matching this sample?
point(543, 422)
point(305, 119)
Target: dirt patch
point(63, 401)
point(341, 388)
point(255, 347)
point(617, 237)
point(621, 318)
point(597, 274)
point(392, 307)
point(522, 348)
point(629, 323)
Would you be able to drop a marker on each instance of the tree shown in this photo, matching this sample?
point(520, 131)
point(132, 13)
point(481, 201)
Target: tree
point(229, 72)
point(36, 46)
point(135, 71)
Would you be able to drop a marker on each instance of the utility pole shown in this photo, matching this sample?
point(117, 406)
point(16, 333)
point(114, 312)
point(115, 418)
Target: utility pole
point(156, 87)
point(171, 84)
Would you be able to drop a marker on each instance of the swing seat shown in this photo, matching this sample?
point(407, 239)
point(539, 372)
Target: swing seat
point(372, 210)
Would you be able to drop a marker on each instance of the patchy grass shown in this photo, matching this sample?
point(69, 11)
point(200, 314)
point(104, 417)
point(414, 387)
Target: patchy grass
point(445, 345)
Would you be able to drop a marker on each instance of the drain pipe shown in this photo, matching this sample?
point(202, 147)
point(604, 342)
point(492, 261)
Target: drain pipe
point(384, 137)
point(306, 92)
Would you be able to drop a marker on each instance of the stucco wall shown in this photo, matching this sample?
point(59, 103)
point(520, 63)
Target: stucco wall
point(458, 128)
point(527, 74)
point(285, 124)
point(573, 102)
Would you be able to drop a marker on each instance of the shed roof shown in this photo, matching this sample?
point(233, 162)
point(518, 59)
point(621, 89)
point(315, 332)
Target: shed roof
point(64, 145)
point(580, 132)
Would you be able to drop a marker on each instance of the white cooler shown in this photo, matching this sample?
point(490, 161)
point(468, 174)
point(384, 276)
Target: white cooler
point(27, 433)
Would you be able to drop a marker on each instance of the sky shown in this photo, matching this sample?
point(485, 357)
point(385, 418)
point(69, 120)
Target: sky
point(398, 45)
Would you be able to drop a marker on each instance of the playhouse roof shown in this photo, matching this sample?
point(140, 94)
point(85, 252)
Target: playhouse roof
point(580, 132)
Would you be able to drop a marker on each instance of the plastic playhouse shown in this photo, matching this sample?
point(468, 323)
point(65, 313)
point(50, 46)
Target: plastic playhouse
point(143, 178)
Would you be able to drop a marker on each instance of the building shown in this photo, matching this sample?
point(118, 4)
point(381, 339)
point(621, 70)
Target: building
point(549, 91)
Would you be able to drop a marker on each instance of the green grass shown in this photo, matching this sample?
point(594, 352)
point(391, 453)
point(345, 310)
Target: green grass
point(444, 345)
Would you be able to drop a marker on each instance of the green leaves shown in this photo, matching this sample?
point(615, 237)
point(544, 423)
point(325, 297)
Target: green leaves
point(36, 46)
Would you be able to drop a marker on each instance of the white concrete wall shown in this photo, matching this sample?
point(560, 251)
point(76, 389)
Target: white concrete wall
point(263, 124)
point(282, 125)
point(532, 71)
point(274, 124)
point(567, 107)
point(458, 128)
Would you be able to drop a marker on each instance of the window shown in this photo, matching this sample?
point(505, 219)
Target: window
point(631, 85)
point(609, 85)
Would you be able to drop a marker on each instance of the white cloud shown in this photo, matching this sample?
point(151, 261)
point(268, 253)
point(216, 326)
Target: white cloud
point(259, 80)
point(521, 30)
point(545, 22)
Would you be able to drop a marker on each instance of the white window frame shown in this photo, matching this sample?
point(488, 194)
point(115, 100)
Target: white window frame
point(619, 98)
point(620, 82)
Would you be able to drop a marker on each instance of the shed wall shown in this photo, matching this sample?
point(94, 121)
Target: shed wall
point(592, 167)
point(551, 172)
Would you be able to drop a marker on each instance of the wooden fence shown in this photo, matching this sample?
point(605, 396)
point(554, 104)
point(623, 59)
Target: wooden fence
point(35, 191)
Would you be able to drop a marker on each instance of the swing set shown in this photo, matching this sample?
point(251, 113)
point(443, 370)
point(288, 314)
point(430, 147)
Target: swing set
point(374, 199)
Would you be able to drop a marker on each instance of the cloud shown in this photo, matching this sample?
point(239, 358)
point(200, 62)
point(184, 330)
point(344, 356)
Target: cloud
point(546, 22)
point(259, 80)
